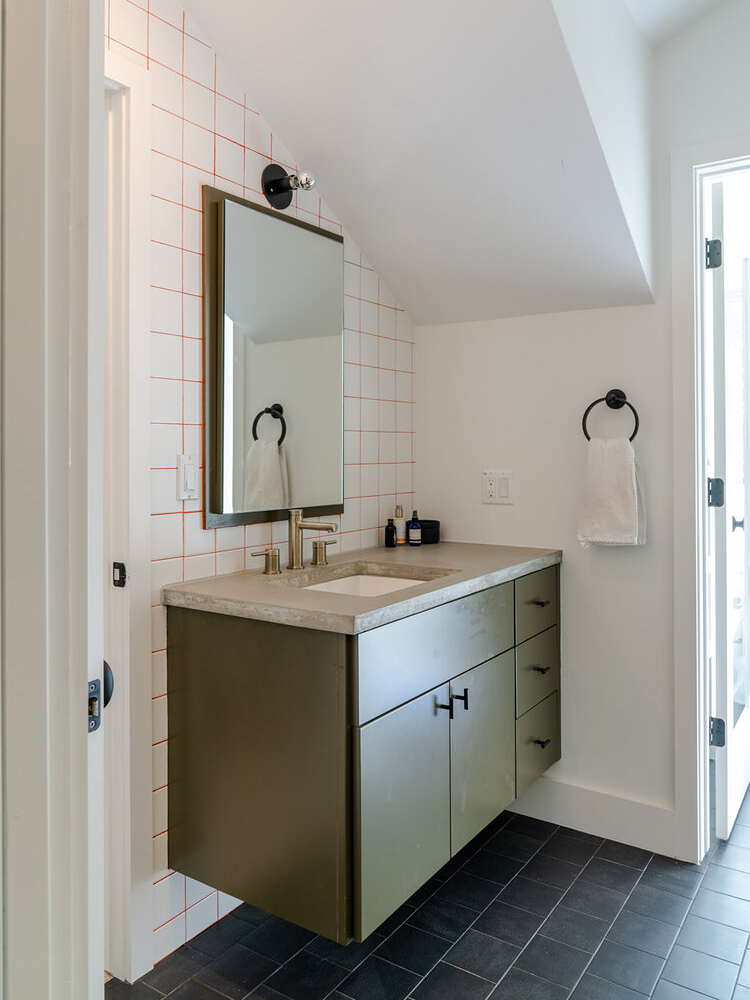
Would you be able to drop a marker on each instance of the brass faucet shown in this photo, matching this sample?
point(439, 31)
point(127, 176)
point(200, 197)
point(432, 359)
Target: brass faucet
point(296, 527)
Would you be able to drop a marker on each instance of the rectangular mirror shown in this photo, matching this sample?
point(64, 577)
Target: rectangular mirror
point(273, 372)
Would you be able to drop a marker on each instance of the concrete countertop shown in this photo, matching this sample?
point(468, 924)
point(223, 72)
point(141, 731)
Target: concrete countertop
point(467, 568)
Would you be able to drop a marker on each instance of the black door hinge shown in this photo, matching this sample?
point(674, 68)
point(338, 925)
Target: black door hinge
point(717, 732)
point(119, 576)
point(715, 492)
point(95, 705)
point(713, 254)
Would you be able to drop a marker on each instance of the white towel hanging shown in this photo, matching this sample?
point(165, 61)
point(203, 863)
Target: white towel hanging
point(614, 504)
point(266, 479)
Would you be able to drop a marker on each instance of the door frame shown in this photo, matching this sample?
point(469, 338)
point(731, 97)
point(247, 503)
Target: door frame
point(128, 823)
point(52, 306)
point(691, 677)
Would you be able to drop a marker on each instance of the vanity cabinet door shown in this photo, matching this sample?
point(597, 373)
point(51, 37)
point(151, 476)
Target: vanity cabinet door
point(483, 777)
point(401, 806)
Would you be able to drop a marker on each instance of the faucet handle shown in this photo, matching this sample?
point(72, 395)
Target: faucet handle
point(272, 565)
point(320, 556)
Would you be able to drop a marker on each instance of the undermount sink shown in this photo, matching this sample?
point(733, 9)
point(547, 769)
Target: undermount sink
point(363, 585)
point(362, 579)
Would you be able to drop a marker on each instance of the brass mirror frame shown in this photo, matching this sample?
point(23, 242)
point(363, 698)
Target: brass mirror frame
point(213, 364)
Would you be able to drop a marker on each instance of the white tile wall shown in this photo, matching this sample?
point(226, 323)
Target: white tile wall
point(207, 131)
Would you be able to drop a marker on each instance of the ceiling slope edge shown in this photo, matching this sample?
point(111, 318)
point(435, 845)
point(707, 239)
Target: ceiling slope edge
point(614, 65)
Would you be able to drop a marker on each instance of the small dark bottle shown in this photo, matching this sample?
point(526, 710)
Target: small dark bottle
point(390, 534)
point(415, 530)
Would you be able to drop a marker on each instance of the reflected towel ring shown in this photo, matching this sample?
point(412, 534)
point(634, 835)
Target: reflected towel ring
point(615, 400)
point(276, 410)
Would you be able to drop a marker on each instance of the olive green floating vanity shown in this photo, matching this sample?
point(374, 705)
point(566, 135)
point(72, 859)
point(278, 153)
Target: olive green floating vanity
point(329, 753)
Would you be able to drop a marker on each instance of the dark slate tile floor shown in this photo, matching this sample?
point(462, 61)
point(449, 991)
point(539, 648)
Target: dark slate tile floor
point(528, 911)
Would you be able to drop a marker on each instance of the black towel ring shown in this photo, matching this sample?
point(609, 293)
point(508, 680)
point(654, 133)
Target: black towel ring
point(275, 410)
point(615, 400)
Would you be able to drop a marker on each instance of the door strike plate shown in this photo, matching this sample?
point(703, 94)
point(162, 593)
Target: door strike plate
point(717, 732)
point(95, 705)
point(715, 492)
point(713, 254)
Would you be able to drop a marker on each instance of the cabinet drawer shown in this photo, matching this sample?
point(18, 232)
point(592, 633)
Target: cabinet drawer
point(536, 603)
point(537, 669)
point(400, 661)
point(533, 730)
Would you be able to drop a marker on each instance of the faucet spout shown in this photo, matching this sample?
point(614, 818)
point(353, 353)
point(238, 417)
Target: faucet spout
point(296, 526)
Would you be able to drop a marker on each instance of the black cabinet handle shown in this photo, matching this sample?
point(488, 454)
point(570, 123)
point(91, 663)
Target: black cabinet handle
point(448, 708)
point(738, 524)
point(462, 697)
point(542, 604)
point(542, 670)
point(543, 743)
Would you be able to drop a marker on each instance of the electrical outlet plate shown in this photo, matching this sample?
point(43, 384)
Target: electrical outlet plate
point(497, 486)
point(187, 477)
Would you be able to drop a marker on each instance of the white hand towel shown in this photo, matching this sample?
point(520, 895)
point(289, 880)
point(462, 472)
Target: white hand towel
point(614, 505)
point(266, 482)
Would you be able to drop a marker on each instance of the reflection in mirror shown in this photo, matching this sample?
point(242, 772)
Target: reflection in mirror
point(278, 392)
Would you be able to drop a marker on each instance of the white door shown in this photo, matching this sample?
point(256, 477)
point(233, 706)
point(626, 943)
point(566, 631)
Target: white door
point(726, 217)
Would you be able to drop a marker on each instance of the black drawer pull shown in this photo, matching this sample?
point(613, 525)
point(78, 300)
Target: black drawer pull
point(462, 697)
point(543, 743)
point(448, 708)
point(542, 670)
point(542, 604)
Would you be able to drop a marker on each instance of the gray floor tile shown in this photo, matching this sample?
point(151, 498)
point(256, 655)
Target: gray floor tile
point(554, 961)
point(657, 903)
point(483, 955)
point(671, 991)
point(577, 929)
point(714, 939)
point(593, 988)
point(626, 967)
point(722, 908)
point(594, 900)
point(518, 985)
point(644, 933)
point(623, 854)
point(728, 881)
point(704, 973)
point(446, 982)
point(610, 875)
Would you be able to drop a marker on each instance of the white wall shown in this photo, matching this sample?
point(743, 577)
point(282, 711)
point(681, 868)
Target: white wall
point(510, 394)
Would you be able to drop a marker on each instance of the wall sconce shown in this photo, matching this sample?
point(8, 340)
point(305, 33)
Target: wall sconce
point(278, 186)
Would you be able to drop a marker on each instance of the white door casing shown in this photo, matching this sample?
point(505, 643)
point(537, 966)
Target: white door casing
point(128, 807)
point(723, 330)
point(51, 631)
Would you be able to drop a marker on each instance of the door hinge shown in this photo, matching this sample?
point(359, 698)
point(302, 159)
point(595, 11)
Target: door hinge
point(717, 732)
point(713, 254)
point(119, 575)
point(715, 492)
point(95, 705)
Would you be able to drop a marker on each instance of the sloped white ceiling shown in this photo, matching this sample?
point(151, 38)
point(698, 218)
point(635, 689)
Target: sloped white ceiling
point(453, 142)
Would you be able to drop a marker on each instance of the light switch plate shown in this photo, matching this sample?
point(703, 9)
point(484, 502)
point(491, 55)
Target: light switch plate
point(187, 477)
point(497, 486)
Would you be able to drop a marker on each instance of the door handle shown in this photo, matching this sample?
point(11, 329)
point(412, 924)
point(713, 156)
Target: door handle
point(448, 708)
point(738, 524)
point(462, 697)
point(542, 604)
point(542, 670)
